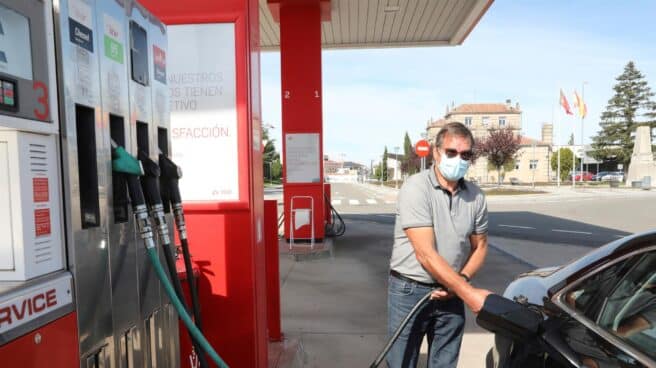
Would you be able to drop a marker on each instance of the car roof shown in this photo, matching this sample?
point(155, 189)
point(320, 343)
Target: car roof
point(603, 254)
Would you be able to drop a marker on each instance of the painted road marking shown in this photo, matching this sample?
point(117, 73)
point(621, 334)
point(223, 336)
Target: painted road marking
point(354, 202)
point(336, 202)
point(517, 227)
point(371, 201)
point(571, 231)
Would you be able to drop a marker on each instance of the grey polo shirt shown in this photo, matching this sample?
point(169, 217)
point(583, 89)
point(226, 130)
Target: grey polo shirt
point(422, 202)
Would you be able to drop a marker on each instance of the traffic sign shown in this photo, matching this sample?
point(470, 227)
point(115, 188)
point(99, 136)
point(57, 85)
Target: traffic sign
point(422, 148)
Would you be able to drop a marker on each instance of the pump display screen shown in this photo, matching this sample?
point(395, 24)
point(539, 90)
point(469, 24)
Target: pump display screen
point(139, 53)
point(15, 50)
point(7, 94)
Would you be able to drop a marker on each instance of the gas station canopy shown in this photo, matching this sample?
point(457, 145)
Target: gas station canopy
point(358, 24)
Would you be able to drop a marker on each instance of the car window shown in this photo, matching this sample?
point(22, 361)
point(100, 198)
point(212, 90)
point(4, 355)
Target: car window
point(629, 310)
point(588, 297)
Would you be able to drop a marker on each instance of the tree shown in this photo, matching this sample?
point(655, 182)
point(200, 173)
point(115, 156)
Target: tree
point(565, 162)
point(571, 140)
point(407, 153)
point(629, 107)
point(272, 167)
point(383, 169)
point(500, 148)
point(411, 164)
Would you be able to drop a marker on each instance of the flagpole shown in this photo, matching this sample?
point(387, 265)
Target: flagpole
point(557, 136)
point(560, 139)
point(573, 158)
point(582, 108)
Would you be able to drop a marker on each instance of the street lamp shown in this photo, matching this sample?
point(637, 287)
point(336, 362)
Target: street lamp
point(535, 164)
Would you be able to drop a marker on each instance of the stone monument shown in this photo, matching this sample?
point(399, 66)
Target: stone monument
point(642, 160)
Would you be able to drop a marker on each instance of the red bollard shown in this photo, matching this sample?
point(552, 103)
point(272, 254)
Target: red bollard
point(272, 269)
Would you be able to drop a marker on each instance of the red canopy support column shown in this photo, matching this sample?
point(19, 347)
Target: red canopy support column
point(300, 52)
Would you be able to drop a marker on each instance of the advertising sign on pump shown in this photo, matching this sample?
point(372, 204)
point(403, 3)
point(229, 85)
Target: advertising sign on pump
point(202, 83)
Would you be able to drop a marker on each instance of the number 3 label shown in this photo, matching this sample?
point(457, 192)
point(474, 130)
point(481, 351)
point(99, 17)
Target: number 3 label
point(42, 100)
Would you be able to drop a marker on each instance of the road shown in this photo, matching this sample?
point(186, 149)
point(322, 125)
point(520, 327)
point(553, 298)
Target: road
point(588, 221)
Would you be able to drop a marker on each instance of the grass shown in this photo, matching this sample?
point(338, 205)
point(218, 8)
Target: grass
point(508, 191)
point(268, 183)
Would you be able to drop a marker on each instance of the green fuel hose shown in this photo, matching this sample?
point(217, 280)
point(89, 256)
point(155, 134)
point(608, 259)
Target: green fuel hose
point(198, 336)
point(125, 163)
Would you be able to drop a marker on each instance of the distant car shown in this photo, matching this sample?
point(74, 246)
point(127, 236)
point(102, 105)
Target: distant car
point(597, 311)
point(598, 176)
point(515, 181)
point(587, 176)
point(613, 176)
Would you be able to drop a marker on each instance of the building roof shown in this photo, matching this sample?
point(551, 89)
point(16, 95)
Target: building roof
point(382, 23)
point(526, 141)
point(485, 108)
point(437, 123)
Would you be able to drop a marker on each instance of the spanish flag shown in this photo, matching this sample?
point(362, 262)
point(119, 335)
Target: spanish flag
point(564, 103)
point(580, 104)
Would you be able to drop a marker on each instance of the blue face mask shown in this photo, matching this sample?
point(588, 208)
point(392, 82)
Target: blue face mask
point(453, 169)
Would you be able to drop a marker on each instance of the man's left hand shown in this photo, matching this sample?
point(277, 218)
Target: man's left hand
point(441, 294)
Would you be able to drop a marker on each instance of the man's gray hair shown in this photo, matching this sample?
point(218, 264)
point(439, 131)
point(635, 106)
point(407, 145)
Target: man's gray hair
point(454, 129)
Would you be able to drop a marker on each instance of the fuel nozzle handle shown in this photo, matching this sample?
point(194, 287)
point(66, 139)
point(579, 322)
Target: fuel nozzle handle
point(126, 164)
point(171, 173)
point(149, 182)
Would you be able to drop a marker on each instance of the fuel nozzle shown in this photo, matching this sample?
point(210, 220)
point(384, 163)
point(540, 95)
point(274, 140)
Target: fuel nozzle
point(128, 165)
point(150, 185)
point(171, 174)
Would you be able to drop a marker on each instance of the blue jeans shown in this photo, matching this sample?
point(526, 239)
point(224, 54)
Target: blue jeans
point(442, 322)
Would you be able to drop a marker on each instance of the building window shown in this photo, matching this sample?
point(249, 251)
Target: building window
point(486, 120)
point(533, 164)
point(468, 121)
point(517, 165)
point(502, 121)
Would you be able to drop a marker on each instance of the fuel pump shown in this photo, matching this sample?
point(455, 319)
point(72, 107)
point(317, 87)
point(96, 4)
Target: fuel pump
point(124, 163)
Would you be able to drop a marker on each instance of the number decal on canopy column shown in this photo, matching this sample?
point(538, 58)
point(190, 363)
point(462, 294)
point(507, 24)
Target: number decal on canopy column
point(43, 100)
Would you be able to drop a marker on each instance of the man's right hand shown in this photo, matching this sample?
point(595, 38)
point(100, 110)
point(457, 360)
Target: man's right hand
point(475, 298)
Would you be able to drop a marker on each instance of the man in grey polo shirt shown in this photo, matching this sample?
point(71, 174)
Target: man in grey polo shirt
point(440, 242)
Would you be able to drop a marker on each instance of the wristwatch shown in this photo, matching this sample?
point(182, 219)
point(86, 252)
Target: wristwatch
point(465, 277)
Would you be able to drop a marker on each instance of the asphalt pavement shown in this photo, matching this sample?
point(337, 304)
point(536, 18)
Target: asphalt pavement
point(335, 307)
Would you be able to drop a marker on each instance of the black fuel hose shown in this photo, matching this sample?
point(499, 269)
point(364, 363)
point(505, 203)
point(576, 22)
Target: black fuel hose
point(171, 175)
point(199, 341)
point(379, 359)
point(330, 229)
point(150, 185)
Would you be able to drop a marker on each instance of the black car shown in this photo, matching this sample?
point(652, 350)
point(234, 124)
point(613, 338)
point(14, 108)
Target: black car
point(598, 311)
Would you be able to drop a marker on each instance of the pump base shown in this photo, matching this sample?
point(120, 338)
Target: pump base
point(307, 251)
point(287, 353)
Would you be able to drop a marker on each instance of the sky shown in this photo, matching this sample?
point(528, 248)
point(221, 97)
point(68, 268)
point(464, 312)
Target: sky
point(525, 51)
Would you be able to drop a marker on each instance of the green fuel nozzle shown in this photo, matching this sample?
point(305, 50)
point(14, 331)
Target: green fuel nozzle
point(124, 162)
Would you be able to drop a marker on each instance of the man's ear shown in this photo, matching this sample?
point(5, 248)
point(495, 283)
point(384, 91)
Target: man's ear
point(436, 154)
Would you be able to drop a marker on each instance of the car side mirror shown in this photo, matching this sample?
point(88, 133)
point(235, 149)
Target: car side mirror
point(509, 319)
